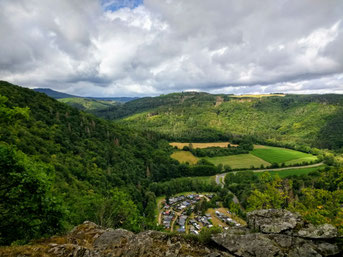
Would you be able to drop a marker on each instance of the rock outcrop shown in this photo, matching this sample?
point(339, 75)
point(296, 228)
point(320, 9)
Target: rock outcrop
point(279, 233)
point(90, 240)
point(269, 233)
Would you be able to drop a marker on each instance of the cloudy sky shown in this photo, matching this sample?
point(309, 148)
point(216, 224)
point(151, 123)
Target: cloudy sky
point(152, 47)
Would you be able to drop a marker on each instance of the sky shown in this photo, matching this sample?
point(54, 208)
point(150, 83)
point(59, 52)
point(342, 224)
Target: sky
point(153, 47)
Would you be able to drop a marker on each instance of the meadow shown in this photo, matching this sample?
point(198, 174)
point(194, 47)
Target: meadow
point(202, 145)
point(240, 161)
point(261, 155)
point(257, 95)
point(184, 156)
point(282, 155)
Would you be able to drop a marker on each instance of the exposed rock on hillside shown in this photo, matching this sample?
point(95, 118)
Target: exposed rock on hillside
point(90, 240)
point(270, 233)
point(279, 233)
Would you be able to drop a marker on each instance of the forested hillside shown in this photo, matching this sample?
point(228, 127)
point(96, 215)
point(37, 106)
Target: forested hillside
point(311, 120)
point(60, 166)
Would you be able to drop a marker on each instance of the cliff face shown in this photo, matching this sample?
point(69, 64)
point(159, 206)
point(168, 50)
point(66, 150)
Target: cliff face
point(269, 233)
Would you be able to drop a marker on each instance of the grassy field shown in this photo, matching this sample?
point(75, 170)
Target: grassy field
point(202, 145)
point(280, 155)
point(184, 156)
point(257, 96)
point(286, 173)
point(240, 161)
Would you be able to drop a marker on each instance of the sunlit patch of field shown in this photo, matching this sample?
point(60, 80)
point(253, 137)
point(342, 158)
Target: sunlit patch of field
point(239, 161)
point(260, 147)
point(184, 156)
point(202, 145)
point(257, 96)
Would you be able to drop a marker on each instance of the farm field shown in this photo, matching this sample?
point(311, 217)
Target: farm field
point(282, 155)
point(257, 96)
point(201, 145)
point(240, 161)
point(184, 156)
point(261, 155)
point(290, 172)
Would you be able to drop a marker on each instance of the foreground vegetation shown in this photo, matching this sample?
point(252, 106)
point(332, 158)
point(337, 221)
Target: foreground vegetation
point(317, 195)
point(60, 166)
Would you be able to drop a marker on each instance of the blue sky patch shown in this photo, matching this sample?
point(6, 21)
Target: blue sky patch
point(113, 5)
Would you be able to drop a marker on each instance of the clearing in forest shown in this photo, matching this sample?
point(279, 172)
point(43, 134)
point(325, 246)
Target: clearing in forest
point(184, 156)
point(257, 96)
point(240, 161)
point(282, 155)
point(202, 145)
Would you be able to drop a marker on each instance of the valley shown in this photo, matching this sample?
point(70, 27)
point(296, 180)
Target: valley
point(149, 169)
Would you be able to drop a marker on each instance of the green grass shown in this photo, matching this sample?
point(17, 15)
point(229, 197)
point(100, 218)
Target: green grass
point(184, 156)
point(240, 161)
point(298, 172)
point(282, 155)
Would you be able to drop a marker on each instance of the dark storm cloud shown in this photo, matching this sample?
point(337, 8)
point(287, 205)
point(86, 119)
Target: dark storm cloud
point(117, 47)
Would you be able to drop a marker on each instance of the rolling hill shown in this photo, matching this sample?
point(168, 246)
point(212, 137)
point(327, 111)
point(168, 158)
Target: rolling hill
point(53, 93)
point(308, 120)
point(85, 103)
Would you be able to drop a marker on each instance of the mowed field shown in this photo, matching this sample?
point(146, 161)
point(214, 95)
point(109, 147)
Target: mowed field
point(282, 155)
point(201, 145)
point(240, 161)
point(184, 156)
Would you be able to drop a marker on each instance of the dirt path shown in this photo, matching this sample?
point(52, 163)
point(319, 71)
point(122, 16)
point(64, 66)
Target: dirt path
point(177, 214)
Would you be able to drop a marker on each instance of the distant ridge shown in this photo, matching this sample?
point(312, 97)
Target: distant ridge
point(60, 95)
point(53, 93)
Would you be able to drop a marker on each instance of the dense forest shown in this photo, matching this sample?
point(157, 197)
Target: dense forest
point(294, 120)
point(58, 165)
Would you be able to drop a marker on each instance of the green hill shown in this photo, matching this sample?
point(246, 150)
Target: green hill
point(88, 104)
point(53, 93)
point(311, 120)
point(60, 166)
point(85, 103)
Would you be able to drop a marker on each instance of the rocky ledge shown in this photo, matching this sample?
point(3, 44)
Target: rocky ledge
point(280, 233)
point(269, 233)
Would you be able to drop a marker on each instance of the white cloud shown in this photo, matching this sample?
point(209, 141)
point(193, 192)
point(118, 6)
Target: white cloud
point(163, 46)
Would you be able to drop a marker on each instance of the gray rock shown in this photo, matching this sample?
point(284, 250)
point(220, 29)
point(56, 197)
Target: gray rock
point(113, 239)
point(242, 242)
point(274, 221)
point(246, 245)
point(321, 231)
